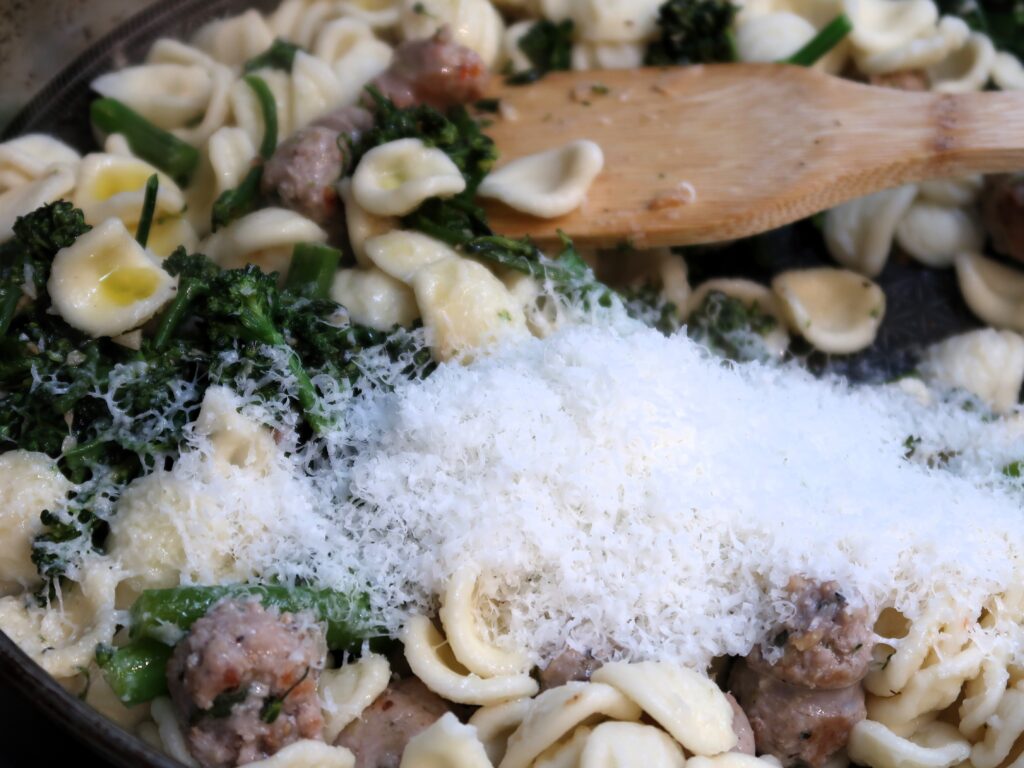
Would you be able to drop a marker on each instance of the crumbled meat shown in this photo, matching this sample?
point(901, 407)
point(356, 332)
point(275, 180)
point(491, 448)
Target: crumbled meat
point(435, 71)
point(567, 666)
point(826, 643)
point(303, 173)
point(244, 682)
point(798, 725)
point(1003, 209)
point(907, 80)
point(741, 726)
point(378, 738)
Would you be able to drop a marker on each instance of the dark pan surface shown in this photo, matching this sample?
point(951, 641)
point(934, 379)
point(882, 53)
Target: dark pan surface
point(924, 306)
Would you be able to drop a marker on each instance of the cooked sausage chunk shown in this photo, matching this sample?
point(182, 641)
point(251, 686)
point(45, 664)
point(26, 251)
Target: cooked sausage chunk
point(378, 738)
point(826, 643)
point(741, 726)
point(797, 725)
point(244, 682)
point(567, 666)
point(304, 170)
point(1003, 208)
point(436, 71)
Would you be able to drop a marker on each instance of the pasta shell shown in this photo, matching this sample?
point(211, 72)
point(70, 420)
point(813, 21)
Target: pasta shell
point(361, 225)
point(1007, 72)
point(772, 37)
point(933, 234)
point(961, 191)
point(566, 752)
point(630, 745)
point(837, 311)
point(685, 703)
point(920, 52)
point(300, 21)
point(402, 253)
point(265, 238)
point(168, 95)
point(475, 24)
point(25, 198)
point(939, 745)
point(315, 90)
point(547, 184)
point(586, 55)
point(993, 291)
point(375, 299)
point(516, 59)
point(446, 743)
point(752, 295)
point(376, 13)
point(1005, 729)
point(28, 157)
point(347, 691)
point(616, 21)
point(859, 233)
point(967, 68)
point(235, 40)
point(735, 760)
point(112, 185)
point(234, 440)
point(169, 735)
point(396, 178)
point(987, 363)
point(106, 283)
point(306, 753)
point(883, 25)
point(494, 724)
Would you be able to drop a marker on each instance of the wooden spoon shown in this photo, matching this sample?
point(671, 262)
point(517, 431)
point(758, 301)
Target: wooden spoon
point(761, 145)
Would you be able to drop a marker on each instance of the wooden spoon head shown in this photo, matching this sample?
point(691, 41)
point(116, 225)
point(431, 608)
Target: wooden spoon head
point(708, 153)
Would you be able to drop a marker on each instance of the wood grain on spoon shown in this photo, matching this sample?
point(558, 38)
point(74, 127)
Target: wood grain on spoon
point(761, 145)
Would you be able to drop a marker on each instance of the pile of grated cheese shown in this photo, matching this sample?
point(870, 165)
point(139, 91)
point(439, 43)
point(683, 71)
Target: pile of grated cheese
point(629, 493)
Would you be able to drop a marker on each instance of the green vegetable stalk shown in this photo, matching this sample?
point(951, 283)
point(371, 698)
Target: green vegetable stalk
point(154, 145)
point(831, 35)
point(280, 55)
point(312, 270)
point(137, 672)
point(148, 210)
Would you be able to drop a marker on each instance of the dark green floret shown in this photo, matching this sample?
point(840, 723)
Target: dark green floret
point(548, 46)
point(693, 32)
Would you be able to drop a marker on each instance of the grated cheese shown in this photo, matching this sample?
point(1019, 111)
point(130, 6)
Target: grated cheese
point(629, 494)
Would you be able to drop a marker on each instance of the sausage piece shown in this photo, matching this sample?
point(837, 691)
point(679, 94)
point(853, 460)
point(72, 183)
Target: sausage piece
point(797, 725)
point(435, 71)
point(826, 643)
point(379, 737)
point(244, 682)
point(567, 666)
point(741, 726)
point(1003, 211)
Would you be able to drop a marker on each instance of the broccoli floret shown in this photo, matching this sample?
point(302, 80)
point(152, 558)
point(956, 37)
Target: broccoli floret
point(548, 46)
point(195, 275)
point(731, 328)
point(45, 231)
point(693, 32)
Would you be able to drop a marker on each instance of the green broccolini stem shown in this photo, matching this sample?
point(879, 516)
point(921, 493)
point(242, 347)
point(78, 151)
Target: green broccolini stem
point(148, 210)
point(166, 614)
point(280, 55)
point(137, 672)
point(831, 35)
point(154, 145)
point(268, 108)
point(312, 270)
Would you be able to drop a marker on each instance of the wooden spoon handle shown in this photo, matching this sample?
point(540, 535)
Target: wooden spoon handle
point(761, 146)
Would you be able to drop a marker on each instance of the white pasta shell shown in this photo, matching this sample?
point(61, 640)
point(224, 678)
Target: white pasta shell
point(630, 745)
point(402, 253)
point(235, 440)
point(346, 692)
point(459, 618)
point(113, 185)
point(566, 752)
point(306, 754)
point(446, 743)
point(494, 724)
point(752, 295)
point(993, 291)
point(25, 198)
point(475, 24)
point(1007, 72)
point(106, 283)
point(28, 157)
point(265, 238)
point(983, 695)
point(837, 311)
point(933, 234)
point(685, 703)
point(986, 362)
point(547, 184)
point(168, 233)
point(918, 53)
point(586, 55)
point(235, 40)
point(772, 37)
point(170, 738)
point(1005, 729)
point(859, 233)
point(396, 178)
point(557, 712)
point(615, 21)
point(882, 25)
point(959, 191)
point(512, 53)
point(466, 308)
point(967, 68)
point(938, 745)
point(737, 760)
point(231, 153)
point(168, 95)
point(376, 13)
point(300, 21)
point(360, 224)
point(315, 90)
point(431, 660)
point(374, 299)
point(246, 107)
point(29, 483)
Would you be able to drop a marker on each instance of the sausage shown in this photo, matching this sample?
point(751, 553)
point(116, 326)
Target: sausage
point(826, 643)
point(567, 666)
point(741, 726)
point(244, 682)
point(379, 737)
point(798, 725)
point(435, 71)
point(1003, 210)
point(304, 170)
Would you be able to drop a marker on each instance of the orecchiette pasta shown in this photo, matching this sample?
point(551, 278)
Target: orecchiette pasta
point(566, 752)
point(216, 110)
point(474, 23)
point(347, 691)
point(29, 483)
point(615, 21)
point(376, 13)
point(859, 234)
point(548, 184)
point(114, 186)
point(586, 55)
point(106, 283)
point(265, 238)
point(929, 50)
point(934, 234)
point(630, 745)
point(987, 363)
point(1005, 727)
point(882, 25)
point(1007, 72)
point(558, 711)
point(835, 310)
point(361, 225)
point(29, 157)
point(432, 661)
point(396, 178)
point(993, 291)
point(172, 740)
point(752, 295)
point(685, 703)
point(494, 725)
point(25, 198)
point(403, 254)
point(937, 745)
point(375, 299)
point(447, 742)
point(168, 95)
point(772, 37)
point(967, 68)
point(306, 753)
point(235, 40)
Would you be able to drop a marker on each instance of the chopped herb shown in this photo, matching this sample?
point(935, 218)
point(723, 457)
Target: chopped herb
point(693, 32)
point(488, 105)
point(222, 705)
point(271, 709)
point(831, 35)
point(600, 89)
point(148, 209)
